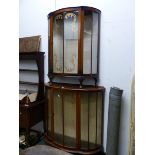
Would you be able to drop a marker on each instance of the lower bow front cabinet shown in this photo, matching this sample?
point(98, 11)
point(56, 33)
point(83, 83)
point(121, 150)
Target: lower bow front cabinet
point(74, 118)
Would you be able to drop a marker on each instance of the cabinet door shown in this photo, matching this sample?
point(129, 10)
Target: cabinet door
point(58, 44)
point(58, 117)
point(91, 119)
point(90, 42)
point(70, 119)
point(87, 41)
point(95, 24)
point(71, 42)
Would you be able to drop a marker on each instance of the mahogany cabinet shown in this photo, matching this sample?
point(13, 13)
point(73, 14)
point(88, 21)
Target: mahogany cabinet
point(74, 42)
point(74, 117)
point(74, 112)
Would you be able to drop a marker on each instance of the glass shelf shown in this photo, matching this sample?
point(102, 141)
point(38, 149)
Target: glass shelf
point(29, 70)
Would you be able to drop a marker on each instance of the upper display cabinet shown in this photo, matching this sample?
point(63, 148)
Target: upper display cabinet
point(74, 42)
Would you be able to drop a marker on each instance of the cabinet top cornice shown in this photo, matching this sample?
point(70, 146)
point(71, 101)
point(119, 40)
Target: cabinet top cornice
point(74, 9)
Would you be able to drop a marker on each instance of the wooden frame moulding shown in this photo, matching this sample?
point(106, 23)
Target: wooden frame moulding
point(50, 46)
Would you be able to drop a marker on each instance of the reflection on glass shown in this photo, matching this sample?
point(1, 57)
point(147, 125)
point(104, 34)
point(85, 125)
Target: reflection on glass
point(71, 42)
point(70, 119)
point(87, 43)
point(94, 43)
point(58, 128)
point(58, 44)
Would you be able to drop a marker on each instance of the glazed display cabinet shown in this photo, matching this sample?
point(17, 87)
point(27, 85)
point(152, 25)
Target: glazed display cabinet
point(75, 117)
point(74, 42)
point(74, 112)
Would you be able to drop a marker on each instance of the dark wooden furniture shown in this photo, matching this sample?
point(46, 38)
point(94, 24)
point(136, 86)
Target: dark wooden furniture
point(30, 113)
point(74, 112)
point(74, 43)
point(74, 118)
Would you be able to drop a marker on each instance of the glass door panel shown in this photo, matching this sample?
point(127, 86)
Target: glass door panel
point(58, 44)
point(58, 121)
point(94, 42)
point(70, 119)
point(71, 42)
point(84, 120)
point(87, 43)
point(92, 120)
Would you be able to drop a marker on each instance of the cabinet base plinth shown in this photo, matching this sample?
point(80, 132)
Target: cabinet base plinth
point(73, 150)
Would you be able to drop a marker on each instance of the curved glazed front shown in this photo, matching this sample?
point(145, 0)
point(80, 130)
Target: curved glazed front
point(74, 42)
point(75, 118)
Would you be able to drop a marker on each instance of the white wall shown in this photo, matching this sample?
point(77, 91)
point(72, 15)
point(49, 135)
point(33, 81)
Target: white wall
point(116, 48)
point(33, 21)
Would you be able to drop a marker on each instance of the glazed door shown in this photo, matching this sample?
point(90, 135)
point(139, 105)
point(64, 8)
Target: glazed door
point(90, 42)
point(58, 43)
point(65, 43)
point(71, 42)
point(91, 120)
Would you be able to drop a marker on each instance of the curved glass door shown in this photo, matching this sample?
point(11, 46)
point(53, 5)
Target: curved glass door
point(91, 120)
point(95, 42)
point(87, 43)
point(90, 42)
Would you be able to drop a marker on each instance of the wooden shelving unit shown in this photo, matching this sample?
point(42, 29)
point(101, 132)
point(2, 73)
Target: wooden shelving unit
point(33, 112)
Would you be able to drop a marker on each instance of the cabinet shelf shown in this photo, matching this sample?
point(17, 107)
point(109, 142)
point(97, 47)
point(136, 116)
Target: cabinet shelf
point(22, 91)
point(29, 83)
point(29, 70)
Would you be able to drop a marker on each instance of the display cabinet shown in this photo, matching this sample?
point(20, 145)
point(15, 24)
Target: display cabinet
point(74, 117)
point(74, 42)
point(74, 112)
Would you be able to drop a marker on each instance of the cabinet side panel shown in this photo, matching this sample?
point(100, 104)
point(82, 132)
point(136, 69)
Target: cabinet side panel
point(99, 118)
